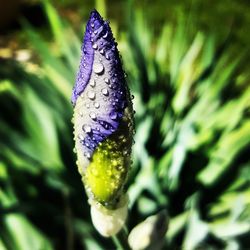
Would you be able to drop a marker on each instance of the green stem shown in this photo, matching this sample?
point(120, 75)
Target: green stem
point(117, 243)
point(121, 240)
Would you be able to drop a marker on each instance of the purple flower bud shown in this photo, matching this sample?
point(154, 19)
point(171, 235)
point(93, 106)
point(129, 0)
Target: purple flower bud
point(102, 111)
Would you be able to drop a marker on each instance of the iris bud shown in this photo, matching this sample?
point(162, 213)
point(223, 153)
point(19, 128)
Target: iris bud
point(103, 121)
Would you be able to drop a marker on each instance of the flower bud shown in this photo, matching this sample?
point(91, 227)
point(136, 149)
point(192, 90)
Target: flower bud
point(103, 123)
point(150, 233)
point(109, 222)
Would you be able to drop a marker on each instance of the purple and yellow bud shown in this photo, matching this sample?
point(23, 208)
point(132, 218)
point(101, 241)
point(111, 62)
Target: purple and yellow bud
point(103, 116)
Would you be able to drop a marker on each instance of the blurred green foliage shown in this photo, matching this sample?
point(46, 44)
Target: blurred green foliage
point(191, 152)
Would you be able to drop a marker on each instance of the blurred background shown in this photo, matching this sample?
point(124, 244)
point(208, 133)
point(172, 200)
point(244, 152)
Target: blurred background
point(187, 65)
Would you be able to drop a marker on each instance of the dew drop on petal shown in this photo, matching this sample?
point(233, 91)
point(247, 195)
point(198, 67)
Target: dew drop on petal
point(105, 35)
point(92, 83)
point(94, 172)
point(94, 46)
point(113, 115)
point(98, 68)
point(92, 115)
point(88, 155)
point(105, 92)
point(86, 128)
point(102, 51)
point(107, 57)
point(97, 105)
point(80, 137)
point(106, 80)
point(91, 95)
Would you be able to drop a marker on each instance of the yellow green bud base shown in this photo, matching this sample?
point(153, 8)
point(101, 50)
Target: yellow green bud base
point(109, 222)
point(106, 174)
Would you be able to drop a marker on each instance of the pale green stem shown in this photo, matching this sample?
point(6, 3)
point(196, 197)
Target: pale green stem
point(121, 240)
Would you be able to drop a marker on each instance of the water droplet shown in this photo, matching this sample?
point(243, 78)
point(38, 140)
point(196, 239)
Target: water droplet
point(92, 83)
point(113, 115)
point(105, 35)
point(120, 167)
point(97, 105)
point(80, 137)
point(92, 25)
point(88, 155)
point(87, 105)
point(98, 68)
point(102, 51)
point(105, 92)
point(132, 97)
point(92, 115)
point(94, 46)
point(80, 113)
point(86, 128)
point(109, 172)
point(106, 80)
point(94, 171)
point(91, 95)
point(107, 56)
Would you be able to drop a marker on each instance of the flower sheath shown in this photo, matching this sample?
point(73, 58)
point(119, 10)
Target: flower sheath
point(103, 115)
